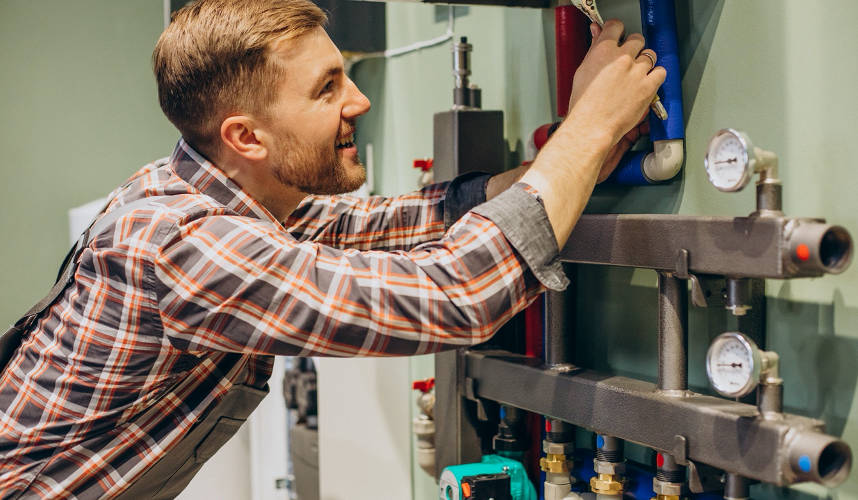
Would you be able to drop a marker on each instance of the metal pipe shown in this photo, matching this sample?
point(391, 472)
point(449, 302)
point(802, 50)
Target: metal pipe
point(559, 330)
point(823, 459)
point(739, 292)
point(818, 247)
point(672, 334)
point(736, 487)
point(770, 399)
point(751, 247)
point(461, 72)
point(691, 428)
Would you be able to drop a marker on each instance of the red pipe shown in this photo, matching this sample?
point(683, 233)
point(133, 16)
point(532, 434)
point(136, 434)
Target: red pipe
point(533, 320)
point(571, 38)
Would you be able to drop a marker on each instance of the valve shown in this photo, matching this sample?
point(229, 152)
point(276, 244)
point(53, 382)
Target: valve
point(425, 166)
point(423, 426)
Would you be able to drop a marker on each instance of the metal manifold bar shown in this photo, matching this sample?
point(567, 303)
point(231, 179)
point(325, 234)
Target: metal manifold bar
point(732, 436)
point(751, 247)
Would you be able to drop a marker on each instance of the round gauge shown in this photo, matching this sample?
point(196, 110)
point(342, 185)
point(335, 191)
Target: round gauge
point(728, 160)
point(733, 364)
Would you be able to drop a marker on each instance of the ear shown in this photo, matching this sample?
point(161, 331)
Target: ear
point(240, 135)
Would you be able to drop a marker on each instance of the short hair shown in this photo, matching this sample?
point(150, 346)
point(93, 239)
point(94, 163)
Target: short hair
point(213, 60)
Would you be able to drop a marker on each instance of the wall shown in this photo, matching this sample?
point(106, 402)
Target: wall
point(781, 70)
point(79, 115)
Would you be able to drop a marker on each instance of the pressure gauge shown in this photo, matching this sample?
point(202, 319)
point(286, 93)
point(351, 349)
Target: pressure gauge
point(734, 364)
point(729, 160)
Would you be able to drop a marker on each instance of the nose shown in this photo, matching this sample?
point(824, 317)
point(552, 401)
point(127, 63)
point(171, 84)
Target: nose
point(356, 103)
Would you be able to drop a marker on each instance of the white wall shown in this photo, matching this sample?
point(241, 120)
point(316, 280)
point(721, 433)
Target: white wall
point(364, 428)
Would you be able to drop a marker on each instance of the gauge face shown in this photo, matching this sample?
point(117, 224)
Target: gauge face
point(733, 364)
point(727, 160)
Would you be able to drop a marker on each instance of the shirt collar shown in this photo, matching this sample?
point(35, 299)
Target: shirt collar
point(204, 176)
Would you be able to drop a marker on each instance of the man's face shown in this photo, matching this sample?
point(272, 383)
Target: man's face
point(313, 121)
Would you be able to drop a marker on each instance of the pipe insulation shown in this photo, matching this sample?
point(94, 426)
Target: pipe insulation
point(571, 30)
point(639, 168)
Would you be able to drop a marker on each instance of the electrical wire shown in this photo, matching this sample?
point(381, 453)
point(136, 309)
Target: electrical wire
point(414, 47)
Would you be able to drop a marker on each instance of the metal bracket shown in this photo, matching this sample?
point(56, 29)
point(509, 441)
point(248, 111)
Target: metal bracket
point(706, 290)
point(471, 395)
point(680, 450)
point(704, 478)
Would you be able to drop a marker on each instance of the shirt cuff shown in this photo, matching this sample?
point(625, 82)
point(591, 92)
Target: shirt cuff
point(464, 193)
point(521, 216)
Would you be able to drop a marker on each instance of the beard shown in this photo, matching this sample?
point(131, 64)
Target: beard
point(314, 169)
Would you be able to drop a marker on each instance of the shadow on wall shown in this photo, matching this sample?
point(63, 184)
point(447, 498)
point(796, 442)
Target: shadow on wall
point(696, 24)
point(619, 329)
point(816, 360)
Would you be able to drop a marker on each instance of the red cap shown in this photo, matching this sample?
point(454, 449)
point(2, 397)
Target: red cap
point(540, 136)
point(802, 252)
point(424, 164)
point(424, 385)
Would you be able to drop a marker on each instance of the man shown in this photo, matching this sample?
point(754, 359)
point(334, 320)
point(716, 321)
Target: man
point(161, 342)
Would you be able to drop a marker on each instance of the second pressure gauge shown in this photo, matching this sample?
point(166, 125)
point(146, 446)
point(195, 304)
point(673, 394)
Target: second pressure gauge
point(729, 160)
point(734, 364)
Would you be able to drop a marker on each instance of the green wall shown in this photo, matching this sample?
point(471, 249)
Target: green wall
point(78, 115)
point(781, 70)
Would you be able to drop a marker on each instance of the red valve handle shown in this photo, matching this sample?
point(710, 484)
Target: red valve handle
point(424, 385)
point(424, 164)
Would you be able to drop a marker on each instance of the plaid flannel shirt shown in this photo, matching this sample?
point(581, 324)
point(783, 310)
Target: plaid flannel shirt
point(189, 294)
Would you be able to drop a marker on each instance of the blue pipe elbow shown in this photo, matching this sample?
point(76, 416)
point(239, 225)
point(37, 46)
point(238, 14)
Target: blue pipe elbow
point(630, 172)
point(658, 19)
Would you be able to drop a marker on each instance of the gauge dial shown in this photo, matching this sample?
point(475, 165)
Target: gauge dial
point(733, 364)
point(728, 160)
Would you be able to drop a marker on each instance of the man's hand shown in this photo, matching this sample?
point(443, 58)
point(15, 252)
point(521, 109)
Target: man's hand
point(621, 148)
point(611, 92)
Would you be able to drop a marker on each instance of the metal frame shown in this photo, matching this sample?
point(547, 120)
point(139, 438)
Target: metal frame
point(748, 247)
point(705, 429)
point(691, 427)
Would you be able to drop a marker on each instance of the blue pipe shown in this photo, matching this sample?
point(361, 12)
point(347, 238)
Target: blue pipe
point(658, 19)
point(639, 486)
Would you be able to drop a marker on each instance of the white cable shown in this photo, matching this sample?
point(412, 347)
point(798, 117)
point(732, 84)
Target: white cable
point(414, 47)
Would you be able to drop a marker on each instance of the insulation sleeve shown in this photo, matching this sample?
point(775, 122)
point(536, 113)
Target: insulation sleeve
point(630, 170)
point(658, 19)
point(571, 43)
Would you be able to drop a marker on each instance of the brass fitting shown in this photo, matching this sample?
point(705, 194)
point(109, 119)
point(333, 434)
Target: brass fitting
point(668, 497)
point(608, 484)
point(552, 462)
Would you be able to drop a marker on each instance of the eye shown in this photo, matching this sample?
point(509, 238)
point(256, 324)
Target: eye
point(329, 87)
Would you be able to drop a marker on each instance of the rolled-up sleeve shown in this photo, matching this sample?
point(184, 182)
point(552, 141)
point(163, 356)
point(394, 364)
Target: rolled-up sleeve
point(520, 214)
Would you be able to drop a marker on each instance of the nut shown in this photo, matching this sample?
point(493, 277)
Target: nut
point(616, 469)
point(663, 488)
point(607, 484)
point(554, 463)
point(558, 448)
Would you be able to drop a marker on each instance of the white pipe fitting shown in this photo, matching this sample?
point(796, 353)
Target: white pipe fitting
point(665, 161)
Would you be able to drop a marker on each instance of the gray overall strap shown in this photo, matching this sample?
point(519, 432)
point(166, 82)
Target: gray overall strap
point(11, 339)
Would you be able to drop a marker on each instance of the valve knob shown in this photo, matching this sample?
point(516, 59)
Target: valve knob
point(424, 386)
point(424, 165)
